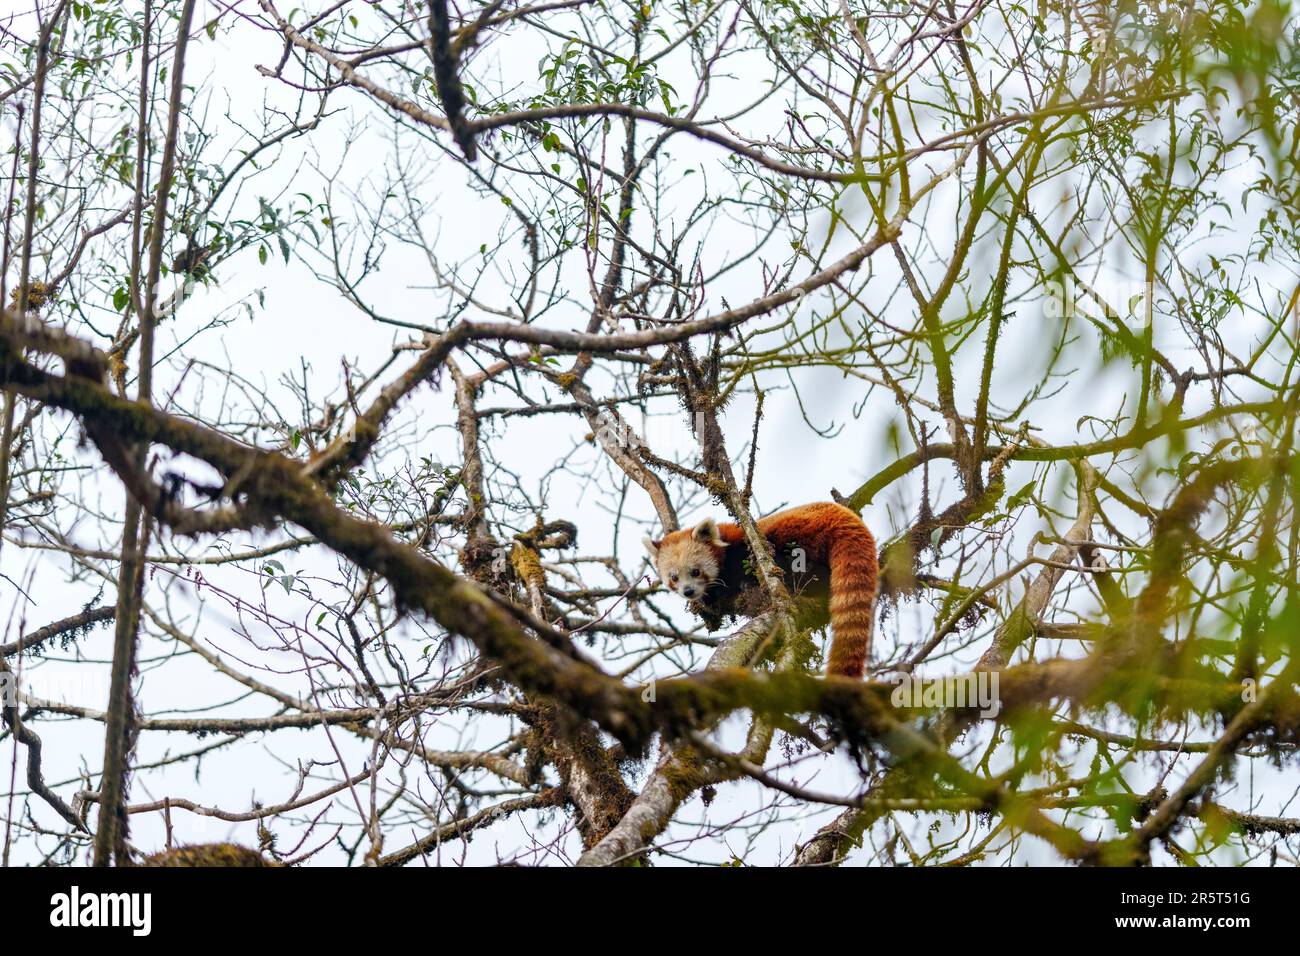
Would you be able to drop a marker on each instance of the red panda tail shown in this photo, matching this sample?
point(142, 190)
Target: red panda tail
point(854, 573)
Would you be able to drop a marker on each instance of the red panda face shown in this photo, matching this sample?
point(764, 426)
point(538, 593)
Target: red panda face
point(688, 561)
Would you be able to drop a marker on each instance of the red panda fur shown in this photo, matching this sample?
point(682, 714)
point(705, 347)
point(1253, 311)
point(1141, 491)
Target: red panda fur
point(830, 536)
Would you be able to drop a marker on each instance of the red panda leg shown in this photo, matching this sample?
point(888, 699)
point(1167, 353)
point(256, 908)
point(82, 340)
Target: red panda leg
point(854, 571)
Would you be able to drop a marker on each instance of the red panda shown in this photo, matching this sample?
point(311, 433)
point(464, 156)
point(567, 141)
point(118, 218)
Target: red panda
point(825, 550)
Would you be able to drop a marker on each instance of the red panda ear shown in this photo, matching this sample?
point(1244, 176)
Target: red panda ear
point(707, 531)
point(652, 546)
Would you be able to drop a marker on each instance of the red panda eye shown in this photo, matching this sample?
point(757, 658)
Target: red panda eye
point(673, 578)
point(695, 572)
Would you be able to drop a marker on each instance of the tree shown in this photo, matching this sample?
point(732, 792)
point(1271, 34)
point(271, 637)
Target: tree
point(346, 361)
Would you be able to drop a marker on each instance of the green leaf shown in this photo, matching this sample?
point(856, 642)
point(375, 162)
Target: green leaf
point(1021, 496)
